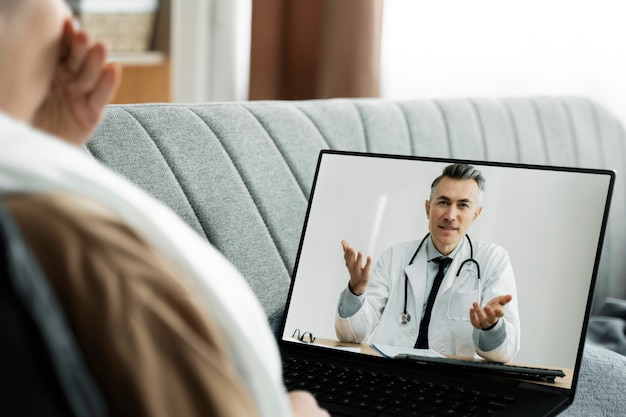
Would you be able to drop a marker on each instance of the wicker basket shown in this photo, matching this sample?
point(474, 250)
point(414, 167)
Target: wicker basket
point(124, 32)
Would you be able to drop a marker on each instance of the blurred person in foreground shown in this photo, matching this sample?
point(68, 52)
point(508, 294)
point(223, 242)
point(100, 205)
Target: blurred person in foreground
point(157, 324)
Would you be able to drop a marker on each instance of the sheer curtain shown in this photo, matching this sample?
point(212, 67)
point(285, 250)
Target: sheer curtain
point(211, 50)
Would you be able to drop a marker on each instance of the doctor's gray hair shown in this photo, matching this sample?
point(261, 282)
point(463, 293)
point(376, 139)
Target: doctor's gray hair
point(461, 172)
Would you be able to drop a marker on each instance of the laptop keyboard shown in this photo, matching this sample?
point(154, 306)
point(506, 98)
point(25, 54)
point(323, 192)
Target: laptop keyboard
point(376, 394)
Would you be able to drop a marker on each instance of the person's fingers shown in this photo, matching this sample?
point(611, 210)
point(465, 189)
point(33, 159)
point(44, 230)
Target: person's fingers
point(497, 307)
point(66, 39)
point(105, 88)
point(482, 317)
point(368, 265)
point(487, 316)
point(359, 258)
point(303, 404)
point(352, 261)
point(500, 300)
point(505, 299)
point(358, 269)
point(91, 72)
point(490, 315)
point(78, 50)
point(348, 252)
point(474, 318)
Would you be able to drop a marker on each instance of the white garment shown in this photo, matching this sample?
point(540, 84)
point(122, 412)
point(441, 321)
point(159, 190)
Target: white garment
point(377, 321)
point(33, 162)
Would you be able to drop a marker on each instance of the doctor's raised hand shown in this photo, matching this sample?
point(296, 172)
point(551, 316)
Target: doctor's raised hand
point(487, 317)
point(359, 273)
point(82, 84)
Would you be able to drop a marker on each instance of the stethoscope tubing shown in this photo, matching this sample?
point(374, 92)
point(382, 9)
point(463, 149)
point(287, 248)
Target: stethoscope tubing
point(405, 317)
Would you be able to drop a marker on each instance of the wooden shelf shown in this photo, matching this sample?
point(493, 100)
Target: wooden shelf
point(145, 84)
point(147, 76)
point(139, 59)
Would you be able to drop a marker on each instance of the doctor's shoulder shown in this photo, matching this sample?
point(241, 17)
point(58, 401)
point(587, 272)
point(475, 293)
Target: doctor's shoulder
point(401, 252)
point(487, 247)
point(490, 253)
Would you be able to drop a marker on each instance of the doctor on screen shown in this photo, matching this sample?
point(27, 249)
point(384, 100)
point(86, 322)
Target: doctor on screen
point(446, 292)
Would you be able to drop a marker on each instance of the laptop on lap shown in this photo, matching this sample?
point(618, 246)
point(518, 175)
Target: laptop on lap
point(550, 222)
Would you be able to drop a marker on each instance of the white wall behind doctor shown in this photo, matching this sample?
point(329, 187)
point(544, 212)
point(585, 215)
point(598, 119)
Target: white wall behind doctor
point(479, 48)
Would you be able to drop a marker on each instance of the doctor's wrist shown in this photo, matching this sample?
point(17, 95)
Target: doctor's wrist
point(357, 291)
point(491, 327)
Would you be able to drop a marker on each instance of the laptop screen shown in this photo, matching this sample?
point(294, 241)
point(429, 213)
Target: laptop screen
point(549, 221)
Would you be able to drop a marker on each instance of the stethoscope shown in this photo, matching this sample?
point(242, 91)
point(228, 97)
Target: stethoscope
point(405, 317)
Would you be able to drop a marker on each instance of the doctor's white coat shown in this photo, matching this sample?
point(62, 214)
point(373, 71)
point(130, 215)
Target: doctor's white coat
point(377, 321)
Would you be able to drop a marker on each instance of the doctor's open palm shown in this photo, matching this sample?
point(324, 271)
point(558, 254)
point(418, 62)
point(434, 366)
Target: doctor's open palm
point(359, 272)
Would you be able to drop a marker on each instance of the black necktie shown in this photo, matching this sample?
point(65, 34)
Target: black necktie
point(422, 338)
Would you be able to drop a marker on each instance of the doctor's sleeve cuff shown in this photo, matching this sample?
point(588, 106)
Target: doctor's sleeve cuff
point(487, 340)
point(349, 304)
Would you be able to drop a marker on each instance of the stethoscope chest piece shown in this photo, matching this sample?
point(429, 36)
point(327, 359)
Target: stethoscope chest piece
point(404, 319)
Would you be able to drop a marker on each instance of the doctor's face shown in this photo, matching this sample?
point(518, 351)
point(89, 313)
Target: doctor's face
point(453, 207)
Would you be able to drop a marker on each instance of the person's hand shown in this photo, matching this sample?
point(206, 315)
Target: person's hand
point(303, 404)
point(488, 316)
point(83, 84)
point(359, 273)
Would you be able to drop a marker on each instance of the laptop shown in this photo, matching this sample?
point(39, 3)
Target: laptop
point(550, 221)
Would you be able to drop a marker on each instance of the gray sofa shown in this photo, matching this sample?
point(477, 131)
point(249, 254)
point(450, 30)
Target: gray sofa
point(240, 174)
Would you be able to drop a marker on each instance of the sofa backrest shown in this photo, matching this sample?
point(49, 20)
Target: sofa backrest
point(240, 174)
